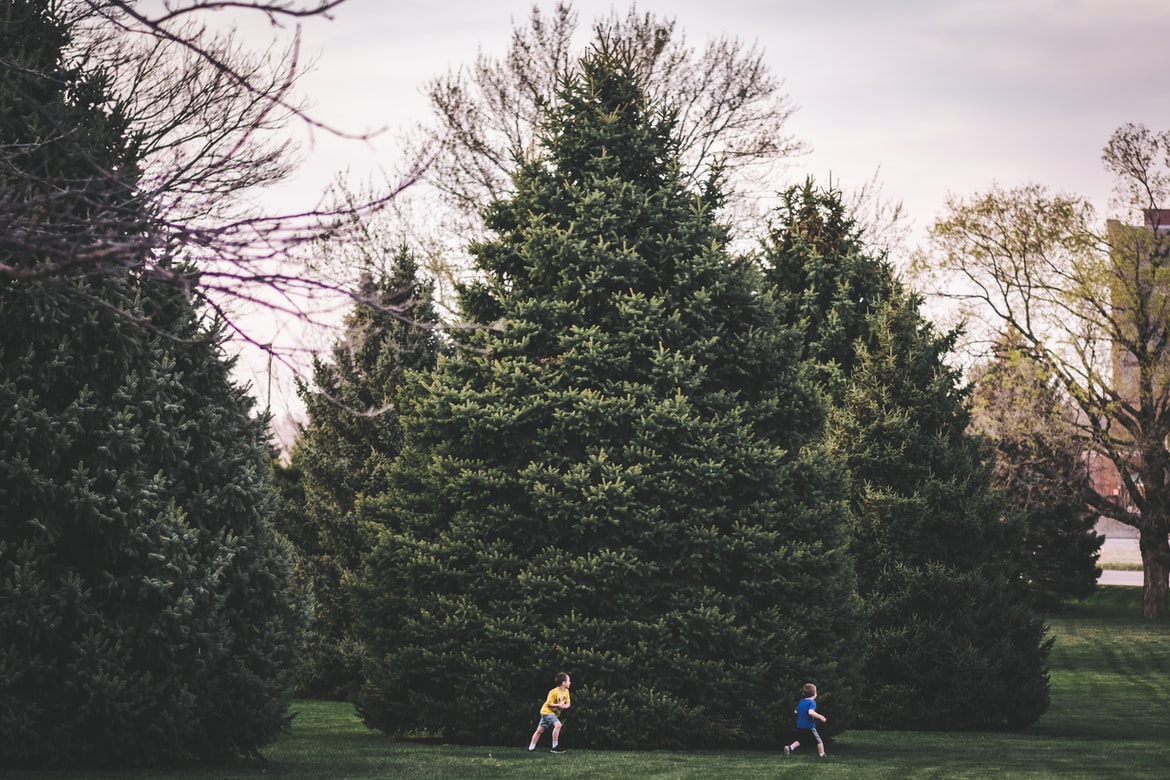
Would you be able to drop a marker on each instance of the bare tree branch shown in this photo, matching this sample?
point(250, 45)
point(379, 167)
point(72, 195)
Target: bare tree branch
point(208, 125)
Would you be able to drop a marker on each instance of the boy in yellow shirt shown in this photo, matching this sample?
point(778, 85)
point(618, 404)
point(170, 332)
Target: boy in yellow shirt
point(556, 702)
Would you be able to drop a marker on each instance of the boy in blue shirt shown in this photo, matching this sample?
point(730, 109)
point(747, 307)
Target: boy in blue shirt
point(806, 721)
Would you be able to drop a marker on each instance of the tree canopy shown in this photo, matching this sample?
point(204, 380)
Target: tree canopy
point(208, 125)
point(952, 638)
point(145, 606)
point(344, 452)
point(731, 112)
point(618, 479)
point(1089, 303)
point(1040, 467)
point(733, 115)
point(924, 516)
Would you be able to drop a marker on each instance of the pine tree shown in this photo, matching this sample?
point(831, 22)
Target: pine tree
point(612, 479)
point(145, 612)
point(952, 641)
point(825, 279)
point(343, 453)
point(146, 609)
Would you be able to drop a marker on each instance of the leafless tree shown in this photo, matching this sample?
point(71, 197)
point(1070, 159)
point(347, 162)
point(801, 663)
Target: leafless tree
point(732, 113)
point(209, 123)
point(731, 108)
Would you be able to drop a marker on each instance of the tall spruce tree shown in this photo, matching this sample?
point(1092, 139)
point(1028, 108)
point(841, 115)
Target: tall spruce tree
point(825, 279)
point(145, 613)
point(952, 641)
point(614, 479)
point(344, 451)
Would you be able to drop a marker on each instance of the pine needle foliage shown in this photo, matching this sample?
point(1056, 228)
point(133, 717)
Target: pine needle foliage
point(616, 479)
point(145, 609)
point(344, 453)
point(952, 639)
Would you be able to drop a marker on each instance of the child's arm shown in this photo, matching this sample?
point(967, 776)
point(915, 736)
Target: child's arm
point(818, 716)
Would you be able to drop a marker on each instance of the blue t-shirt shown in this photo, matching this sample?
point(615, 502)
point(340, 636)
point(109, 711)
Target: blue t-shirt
point(803, 719)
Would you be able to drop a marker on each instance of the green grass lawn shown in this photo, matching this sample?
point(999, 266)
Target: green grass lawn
point(1110, 718)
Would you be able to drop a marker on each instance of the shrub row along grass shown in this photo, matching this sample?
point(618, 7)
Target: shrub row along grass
point(1110, 718)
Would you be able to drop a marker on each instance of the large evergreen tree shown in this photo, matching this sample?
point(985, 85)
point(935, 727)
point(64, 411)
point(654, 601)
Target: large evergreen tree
point(825, 279)
point(344, 451)
point(145, 613)
point(952, 641)
point(144, 599)
point(614, 478)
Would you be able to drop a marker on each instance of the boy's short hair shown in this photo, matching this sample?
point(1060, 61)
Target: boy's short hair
point(808, 690)
point(561, 677)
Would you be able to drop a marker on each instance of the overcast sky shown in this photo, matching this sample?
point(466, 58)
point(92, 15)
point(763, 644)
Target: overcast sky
point(940, 95)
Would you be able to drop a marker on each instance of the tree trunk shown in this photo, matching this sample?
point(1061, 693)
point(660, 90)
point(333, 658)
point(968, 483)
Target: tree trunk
point(1155, 548)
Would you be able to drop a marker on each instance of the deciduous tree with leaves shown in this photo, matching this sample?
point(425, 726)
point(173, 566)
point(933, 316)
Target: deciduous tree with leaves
point(1090, 303)
point(1041, 468)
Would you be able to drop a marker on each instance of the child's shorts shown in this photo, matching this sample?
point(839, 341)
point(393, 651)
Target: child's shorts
point(808, 736)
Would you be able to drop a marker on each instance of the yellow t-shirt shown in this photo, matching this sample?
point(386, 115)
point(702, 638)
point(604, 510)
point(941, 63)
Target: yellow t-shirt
point(557, 695)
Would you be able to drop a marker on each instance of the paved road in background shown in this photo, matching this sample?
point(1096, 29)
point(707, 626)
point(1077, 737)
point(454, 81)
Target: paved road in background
point(1115, 577)
point(1119, 545)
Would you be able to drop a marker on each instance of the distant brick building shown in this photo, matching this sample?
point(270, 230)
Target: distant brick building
point(1131, 246)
